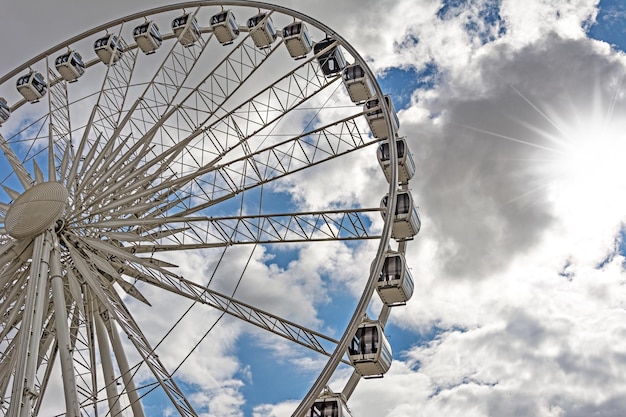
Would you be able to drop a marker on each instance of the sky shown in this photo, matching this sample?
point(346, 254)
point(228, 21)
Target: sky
point(514, 112)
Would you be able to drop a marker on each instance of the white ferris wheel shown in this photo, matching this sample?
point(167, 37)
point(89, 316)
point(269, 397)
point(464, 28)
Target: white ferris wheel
point(184, 129)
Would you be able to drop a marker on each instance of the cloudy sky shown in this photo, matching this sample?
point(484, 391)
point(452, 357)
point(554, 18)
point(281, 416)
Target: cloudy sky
point(514, 114)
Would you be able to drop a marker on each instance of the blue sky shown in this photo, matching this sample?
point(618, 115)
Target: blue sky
point(608, 26)
point(513, 111)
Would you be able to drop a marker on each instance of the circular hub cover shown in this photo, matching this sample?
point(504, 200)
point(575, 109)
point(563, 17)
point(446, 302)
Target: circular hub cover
point(35, 210)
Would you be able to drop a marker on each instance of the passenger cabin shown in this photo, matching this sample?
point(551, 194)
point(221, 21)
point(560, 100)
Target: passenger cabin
point(330, 57)
point(395, 284)
point(369, 351)
point(109, 49)
point(32, 86)
point(5, 111)
point(147, 37)
point(406, 221)
point(376, 118)
point(70, 65)
point(225, 27)
point(186, 29)
point(360, 87)
point(262, 30)
point(297, 39)
point(406, 165)
point(329, 405)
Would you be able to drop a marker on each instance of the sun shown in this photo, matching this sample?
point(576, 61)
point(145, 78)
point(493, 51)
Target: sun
point(592, 157)
point(587, 167)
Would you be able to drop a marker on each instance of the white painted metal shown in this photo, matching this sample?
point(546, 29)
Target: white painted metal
point(24, 390)
point(122, 362)
point(110, 382)
point(63, 334)
point(154, 156)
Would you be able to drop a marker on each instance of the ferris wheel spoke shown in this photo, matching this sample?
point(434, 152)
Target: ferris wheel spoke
point(227, 180)
point(39, 177)
point(123, 317)
point(139, 185)
point(24, 388)
point(18, 168)
point(223, 82)
point(108, 110)
point(291, 99)
point(281, 228)
point(246, 312)
point(60, 129)
point(82, 330)
point(288, 90)
point(305, 150)
point(112, 306)
point(12, 314)
point(114, 90)
point(48, 352)
point(152, 273)
point(321, 144)
point(232, 129)
point(7, 366)
point(151, 109)
point(16, 252)
point(204, 232)
point(167, 83)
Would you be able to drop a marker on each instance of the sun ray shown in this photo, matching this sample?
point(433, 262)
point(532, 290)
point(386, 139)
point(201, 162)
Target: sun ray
point(505, 137)
point(530, 103)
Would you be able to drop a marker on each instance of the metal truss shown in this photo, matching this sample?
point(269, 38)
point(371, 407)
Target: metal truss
point(159, 159)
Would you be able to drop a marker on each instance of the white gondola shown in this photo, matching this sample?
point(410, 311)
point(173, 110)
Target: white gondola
point(329, 405)
point(109, 49)
point(395, 284)
point(225, 27)
point(360, 87)
point(32, 86)
point(369, 351)
point(330, 57)
point(297, 39)
point(406, 165)
point(262, 30)
point(406, 221)
point(376, 118)
point(70, 65)
point(5, 111)
point(186, 37)
point(148, 37)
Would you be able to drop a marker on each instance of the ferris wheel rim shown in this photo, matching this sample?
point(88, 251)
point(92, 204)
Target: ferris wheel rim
point(386, 233)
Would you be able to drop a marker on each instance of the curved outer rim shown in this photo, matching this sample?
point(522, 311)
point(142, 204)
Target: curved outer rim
point(368, 291)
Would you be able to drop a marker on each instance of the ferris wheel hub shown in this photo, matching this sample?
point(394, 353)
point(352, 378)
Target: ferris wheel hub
point(35, 210)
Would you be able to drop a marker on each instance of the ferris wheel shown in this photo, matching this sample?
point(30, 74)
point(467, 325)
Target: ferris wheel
point(195, 129)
